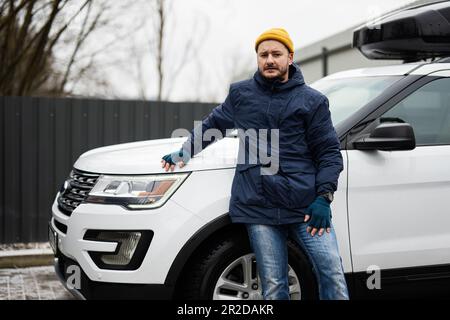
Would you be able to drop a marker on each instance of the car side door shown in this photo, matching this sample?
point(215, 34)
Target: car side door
point(398, 201)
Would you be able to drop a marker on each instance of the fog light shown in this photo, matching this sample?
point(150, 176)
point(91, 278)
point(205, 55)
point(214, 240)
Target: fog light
point(131, 249)
point(127, 244)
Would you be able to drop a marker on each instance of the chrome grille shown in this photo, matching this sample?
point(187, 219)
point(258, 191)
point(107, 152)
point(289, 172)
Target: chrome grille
point(76, 190)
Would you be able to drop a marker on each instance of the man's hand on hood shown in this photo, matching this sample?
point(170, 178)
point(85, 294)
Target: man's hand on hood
point(180, 157)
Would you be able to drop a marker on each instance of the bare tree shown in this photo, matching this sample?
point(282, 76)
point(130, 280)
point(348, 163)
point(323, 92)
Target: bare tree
point(168, 68)
point(30, 30)
point(160, 9)
point(63, 47)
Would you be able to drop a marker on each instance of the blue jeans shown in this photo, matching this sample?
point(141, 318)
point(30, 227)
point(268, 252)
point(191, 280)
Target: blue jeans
point(269, 245)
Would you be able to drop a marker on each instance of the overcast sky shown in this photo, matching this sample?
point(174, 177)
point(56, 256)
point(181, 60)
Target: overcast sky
point(224, 31)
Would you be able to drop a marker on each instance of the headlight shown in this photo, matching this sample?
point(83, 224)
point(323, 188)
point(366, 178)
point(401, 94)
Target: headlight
point(136, 192)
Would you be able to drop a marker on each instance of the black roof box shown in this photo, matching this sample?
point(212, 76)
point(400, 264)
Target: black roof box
point(411, 34)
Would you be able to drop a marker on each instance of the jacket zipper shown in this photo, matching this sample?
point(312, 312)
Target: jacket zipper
point(267, 117)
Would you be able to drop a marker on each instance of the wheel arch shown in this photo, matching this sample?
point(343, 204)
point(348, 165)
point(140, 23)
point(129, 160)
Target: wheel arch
point(214, 229)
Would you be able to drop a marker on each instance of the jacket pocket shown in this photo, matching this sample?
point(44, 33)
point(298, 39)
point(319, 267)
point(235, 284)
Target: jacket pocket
point(276, 190)
point(247, 186)
point(289, 190)
point(302, 188)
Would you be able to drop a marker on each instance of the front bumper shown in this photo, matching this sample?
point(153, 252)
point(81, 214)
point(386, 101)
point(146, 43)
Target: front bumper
point(87, 289)
point(172, 226)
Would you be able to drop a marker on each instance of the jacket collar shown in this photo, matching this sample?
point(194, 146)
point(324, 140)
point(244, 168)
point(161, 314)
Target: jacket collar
point(295, 79)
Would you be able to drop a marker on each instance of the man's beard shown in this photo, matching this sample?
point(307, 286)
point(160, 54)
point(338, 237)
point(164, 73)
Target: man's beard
point(280, 77)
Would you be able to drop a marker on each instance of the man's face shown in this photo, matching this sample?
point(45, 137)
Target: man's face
point(274, 60)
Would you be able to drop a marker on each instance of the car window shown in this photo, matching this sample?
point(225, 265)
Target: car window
point(428, 111)
point(348, 95)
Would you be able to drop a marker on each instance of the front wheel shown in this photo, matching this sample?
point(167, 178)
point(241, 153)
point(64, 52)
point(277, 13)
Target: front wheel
point(227, 270)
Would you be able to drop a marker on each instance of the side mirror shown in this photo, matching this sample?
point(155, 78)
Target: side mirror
point(388, 137)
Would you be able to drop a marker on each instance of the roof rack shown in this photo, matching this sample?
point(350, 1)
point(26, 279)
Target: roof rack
point(412, 34)
point(443, 60)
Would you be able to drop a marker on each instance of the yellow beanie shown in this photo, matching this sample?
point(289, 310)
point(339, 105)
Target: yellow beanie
point(278, 34)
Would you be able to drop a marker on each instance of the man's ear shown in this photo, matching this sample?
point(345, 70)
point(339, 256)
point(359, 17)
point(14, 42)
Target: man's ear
point(291, 58)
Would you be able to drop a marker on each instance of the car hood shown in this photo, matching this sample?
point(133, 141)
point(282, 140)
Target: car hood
point(144, 157)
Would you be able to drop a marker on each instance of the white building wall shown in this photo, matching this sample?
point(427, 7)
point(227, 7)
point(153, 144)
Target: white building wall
point(312, 71)
point(344, 60)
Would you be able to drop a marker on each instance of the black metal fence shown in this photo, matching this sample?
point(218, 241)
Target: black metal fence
point(40, 139)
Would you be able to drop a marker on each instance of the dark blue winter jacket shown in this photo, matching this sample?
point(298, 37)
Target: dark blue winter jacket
point(309, 155)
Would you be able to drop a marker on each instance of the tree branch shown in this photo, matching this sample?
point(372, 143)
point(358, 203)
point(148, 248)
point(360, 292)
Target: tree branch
point(13, 13)
point(159, 59)
point(35, 61)
point(80, 39)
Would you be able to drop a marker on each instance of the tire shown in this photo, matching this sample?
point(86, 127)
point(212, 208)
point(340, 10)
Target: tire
point(226, 258)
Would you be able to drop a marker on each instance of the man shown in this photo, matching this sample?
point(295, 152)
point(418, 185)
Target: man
point(295, 201)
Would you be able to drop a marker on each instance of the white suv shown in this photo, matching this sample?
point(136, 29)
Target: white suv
point(390, 212)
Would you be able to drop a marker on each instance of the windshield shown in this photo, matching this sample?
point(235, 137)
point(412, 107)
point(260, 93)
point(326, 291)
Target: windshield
point(347, 95)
